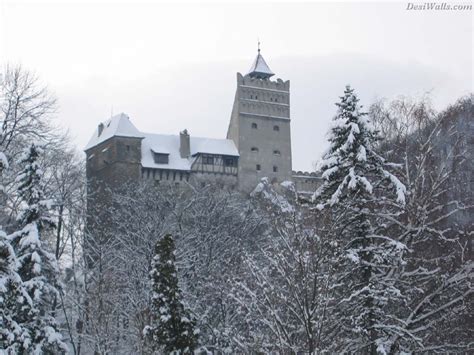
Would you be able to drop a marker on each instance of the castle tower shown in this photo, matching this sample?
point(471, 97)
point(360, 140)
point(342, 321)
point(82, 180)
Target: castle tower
point(260, 126)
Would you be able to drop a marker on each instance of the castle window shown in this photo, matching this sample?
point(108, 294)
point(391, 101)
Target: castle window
point(161, 158)
point(208, 160)
point(128, 148)
point(275, 168)
point(258, 167)
point(276, 100)
point(254, 149)
point(230, 161)
point(276, 152)
point(276, 128)
point(251, 96)
point(254, 125)
point(256, 97)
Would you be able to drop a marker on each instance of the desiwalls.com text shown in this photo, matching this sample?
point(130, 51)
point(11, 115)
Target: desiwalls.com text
point(437, 6)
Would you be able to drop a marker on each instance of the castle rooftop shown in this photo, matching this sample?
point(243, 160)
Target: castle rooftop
point(121, 126)
point(260, 68)
point(170, 144)
point(117, 126)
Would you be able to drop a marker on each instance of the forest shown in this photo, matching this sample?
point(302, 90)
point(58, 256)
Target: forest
point(377, 260)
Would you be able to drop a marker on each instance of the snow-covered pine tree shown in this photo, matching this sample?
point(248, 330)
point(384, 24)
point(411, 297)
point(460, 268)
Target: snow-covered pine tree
point(356, 187)
point(172, 328)
point(13, 296)
point(36, 266)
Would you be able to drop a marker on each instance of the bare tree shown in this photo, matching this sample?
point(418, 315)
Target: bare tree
point(286, 290)
point(435, 226)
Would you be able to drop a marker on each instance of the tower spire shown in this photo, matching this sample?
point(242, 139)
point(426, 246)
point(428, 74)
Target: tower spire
point(259, 68)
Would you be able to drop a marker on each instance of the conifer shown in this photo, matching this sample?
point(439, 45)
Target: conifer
point(173, 327)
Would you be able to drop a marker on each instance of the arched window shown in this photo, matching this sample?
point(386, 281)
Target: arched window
point(254, 125)
point(254, 149)
point(276, 128)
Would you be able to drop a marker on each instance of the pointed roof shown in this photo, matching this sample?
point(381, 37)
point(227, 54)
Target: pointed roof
point(117, 126)
point(259, 68)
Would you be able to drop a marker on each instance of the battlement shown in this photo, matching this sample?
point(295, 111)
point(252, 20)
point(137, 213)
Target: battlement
point(305, 181)
point(265, 84)
point(304, 174)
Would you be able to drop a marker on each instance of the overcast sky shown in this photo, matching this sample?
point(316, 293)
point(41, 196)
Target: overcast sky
point(173, 66)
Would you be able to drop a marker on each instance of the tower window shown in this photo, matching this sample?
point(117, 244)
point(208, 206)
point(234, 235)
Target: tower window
point(275, 168)
point(276, 152)
point(251, 96)
point(276, 100)
point(254, 125)
point(258, 167)
point(276, 128)
point(256, 97)
point(254, 149)
point(128, 148)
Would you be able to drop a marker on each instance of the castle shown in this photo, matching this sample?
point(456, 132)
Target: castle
point(258, 144)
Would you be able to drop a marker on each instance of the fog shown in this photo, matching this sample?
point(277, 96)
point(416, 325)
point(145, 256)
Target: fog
point(173, 66)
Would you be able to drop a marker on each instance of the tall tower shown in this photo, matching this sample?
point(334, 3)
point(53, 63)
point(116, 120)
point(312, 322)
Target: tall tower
point(260, 126)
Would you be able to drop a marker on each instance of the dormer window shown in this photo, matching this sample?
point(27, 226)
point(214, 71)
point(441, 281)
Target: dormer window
point(161, 158)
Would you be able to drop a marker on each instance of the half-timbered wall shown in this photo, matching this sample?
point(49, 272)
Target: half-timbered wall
point(216, 164)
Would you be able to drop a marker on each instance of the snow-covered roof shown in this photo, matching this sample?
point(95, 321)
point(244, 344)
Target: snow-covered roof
point(118, 126)
point(259, 68)
point(169, 144)
point(121, 126)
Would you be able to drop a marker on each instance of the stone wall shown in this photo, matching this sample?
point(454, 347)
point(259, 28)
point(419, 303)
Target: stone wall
point(306, 182)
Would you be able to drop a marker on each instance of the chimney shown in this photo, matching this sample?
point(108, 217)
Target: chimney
point(184, 144)
point(100, 128)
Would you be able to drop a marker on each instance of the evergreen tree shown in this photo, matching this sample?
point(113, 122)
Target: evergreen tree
point(173, 328)
point(13, 296)
point(36, 266)
point(356, 185)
